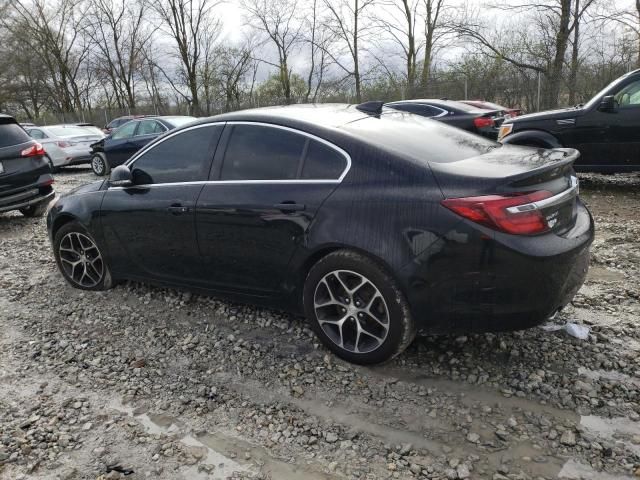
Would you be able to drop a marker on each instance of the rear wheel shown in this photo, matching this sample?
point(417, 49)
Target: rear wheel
point(357, 309)
point(34, 210)
point(79, 258)
point(99, 165)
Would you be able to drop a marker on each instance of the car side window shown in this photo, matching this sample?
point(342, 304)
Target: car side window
point(629, 96)
point(125, 131)
point(256, 152)
point(150, 127)
point(184, 157)
point(322, 162)
point(37, 134)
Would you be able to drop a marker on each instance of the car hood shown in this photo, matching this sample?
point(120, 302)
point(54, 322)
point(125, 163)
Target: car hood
point(558, 114)
point(88, 188)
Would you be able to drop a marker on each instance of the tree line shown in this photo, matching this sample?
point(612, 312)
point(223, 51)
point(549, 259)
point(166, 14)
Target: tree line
point(162, 56)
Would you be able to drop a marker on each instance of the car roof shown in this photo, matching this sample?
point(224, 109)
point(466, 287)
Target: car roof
point(326, 115)
point(444, 103)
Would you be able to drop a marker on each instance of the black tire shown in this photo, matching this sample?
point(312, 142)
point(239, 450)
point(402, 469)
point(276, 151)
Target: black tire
point(99, 165)
point(92, 278)
point(400, 326)
point(52, 167)
point(33, 211)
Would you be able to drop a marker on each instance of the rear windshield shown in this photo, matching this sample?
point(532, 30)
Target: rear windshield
point(420, 139)
point(12, 134)
point(68, 131)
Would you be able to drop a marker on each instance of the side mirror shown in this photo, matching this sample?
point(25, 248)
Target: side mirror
point(121, 177)
point(608, 104)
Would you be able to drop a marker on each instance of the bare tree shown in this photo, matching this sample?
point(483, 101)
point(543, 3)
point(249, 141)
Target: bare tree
point(317, 41)
point(346, 24)
point(120, 34)
point(398, 20)
point(555, 20)
point(190, 25)
point(277, 18)
point(55, 35)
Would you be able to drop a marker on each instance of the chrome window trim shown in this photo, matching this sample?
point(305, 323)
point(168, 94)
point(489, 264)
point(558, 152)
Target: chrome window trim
point(570, 192)
point(346, 156)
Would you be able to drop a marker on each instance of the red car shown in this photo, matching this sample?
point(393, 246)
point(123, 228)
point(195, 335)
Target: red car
point(508, 112)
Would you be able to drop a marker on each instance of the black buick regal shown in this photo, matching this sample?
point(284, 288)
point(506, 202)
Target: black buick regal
point(369, 221)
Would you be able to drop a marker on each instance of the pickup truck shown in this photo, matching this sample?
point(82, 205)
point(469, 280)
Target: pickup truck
point(606, 129)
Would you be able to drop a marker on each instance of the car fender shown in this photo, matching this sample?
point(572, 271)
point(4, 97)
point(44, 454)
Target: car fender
point(538, 138)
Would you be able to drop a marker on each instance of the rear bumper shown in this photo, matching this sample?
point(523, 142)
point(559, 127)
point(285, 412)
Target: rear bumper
point(33, 194)
point(473, 282)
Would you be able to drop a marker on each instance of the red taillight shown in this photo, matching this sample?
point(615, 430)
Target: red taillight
point(33, 151)
point(483, 122)
point(63, 144)
point(491, 211)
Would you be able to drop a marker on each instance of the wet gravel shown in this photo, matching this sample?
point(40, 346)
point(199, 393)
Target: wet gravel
point(142, 382)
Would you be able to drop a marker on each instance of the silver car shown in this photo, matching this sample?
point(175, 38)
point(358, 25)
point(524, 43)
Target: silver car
point(65, 144)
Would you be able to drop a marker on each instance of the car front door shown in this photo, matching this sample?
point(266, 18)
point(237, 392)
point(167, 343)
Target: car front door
point(268, 183)
point(625, 131)
point(121, 146)
point(149, 227)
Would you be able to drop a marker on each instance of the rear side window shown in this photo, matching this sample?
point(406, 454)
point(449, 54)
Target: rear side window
point(185, 157)
point(262, 153)
point(12, 134)
point(322, 162)
point(37, 134)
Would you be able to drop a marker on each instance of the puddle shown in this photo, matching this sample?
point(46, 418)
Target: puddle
point(609, 375)
point(573, 470)
point(223, 466)
point(219, 450)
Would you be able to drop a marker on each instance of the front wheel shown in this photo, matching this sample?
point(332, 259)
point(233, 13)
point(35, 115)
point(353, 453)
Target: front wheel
point(79, 258)
point(99, 165)
point(357, 309)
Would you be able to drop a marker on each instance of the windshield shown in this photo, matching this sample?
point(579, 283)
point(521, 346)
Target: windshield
point(69, 131)
point(595, 100)
point(421, 139)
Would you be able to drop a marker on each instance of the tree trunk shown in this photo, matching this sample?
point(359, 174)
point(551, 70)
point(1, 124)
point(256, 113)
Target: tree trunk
point(573, 74)
point(554, 76)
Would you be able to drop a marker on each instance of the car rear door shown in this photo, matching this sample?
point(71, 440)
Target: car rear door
point(267, 184)
point(149, 227)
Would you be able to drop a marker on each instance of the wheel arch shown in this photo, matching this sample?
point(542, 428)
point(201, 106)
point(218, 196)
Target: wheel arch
point(540, 138)
point(60, 221)
point(302, 267)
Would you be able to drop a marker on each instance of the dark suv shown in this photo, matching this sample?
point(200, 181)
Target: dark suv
point(25, 174)
point(606, 129)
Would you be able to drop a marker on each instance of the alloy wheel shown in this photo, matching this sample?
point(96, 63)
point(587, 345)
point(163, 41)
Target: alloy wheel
point(97, 163)
point(81, 259)
point(351, 311)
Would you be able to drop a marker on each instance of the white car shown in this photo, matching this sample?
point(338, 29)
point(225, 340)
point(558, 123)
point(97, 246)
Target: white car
point(66, 144)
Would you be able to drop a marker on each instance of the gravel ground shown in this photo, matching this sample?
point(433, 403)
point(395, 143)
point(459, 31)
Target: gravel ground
point(141, 382)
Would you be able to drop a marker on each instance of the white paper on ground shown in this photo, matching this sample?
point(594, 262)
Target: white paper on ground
point(578, 331)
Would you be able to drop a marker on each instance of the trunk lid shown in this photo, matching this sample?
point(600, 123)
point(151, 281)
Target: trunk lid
point(512, 171)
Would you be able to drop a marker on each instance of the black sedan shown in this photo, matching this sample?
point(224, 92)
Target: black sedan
point(371, 223)
point(117, 148)
point(25, 172)
point(457, 114)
